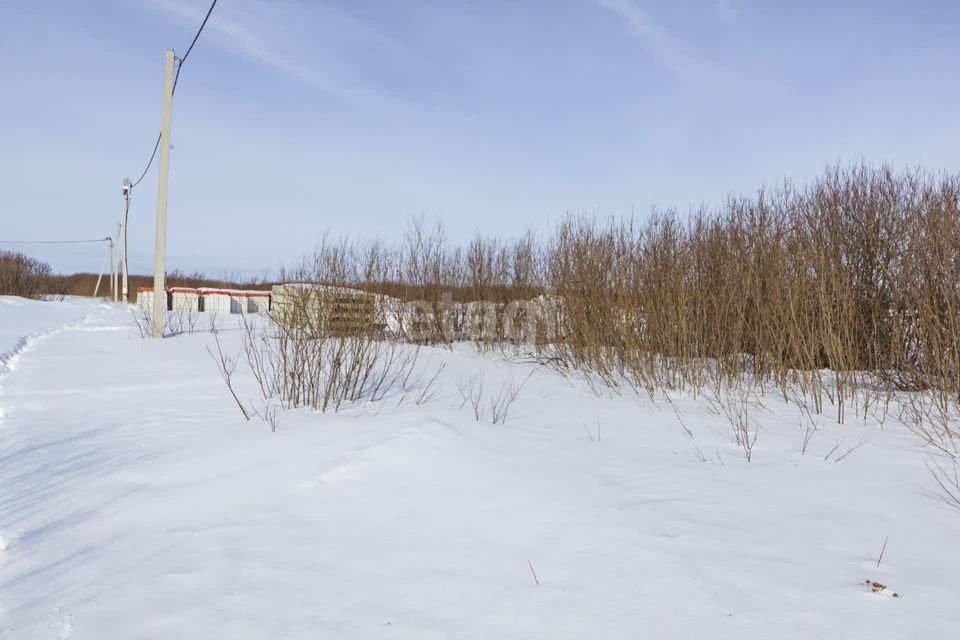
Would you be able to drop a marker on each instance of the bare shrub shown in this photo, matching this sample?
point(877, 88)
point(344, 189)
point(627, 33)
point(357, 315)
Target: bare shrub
point(471, 391)
point(324, 372)
point(177, 322)
point(227, 365)
point(735, 406)
point(502, 401)
point(21, 275)
point(142, 321)
point(268, 413)
point(182, 321)
point(947, 477)
point(430, 388)
point(325, 346)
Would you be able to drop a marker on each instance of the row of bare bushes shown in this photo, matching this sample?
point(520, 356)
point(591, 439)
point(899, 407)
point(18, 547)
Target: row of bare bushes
point(842, 294)
point(21, 275)
point(858, 272)
point(846, 289)
point(850, 283)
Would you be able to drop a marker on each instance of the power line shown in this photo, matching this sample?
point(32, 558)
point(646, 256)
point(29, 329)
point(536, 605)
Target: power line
point(54, 241)
point(147, 168)
point(156, 146)
point(190, 48)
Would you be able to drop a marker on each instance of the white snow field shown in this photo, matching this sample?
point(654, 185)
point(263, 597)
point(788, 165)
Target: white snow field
point(136, 502)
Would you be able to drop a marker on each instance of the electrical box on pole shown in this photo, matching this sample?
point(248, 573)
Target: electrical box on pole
point(159, 276)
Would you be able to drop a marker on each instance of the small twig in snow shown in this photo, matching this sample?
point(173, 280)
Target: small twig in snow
point(851, 450)
point(589, 435)
point(882, 550)
point(429, 390)
point(830, 453)
point(807, 435)
point(533, 572)
point(226, 366)
point(949, 483)
point(679, 417)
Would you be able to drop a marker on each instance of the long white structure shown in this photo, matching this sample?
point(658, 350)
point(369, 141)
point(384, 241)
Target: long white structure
point(208, 300)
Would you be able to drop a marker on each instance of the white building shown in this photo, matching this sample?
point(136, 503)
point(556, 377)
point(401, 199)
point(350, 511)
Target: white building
point(208, 300)
point(182, 299)
point(234, 300)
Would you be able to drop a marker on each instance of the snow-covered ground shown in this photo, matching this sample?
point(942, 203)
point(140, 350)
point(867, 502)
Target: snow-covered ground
point(136, 502)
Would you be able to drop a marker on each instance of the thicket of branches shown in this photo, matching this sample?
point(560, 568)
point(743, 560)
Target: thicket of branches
point(853, 280)
point(842, 294)
point(848, 283)
point(21, 275)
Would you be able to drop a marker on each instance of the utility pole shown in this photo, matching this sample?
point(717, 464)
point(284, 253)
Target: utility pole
point(103, 265)
point(115, 250)
point(159, 277)
point(126, 217)
point(110, 282)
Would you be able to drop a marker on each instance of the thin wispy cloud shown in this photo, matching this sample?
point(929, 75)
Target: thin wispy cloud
point(279, 40)
point(663, 47)
point(379, 110)
point(726, 10)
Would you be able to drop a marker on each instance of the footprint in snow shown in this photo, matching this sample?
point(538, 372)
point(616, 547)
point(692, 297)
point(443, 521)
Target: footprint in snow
point(62, 623)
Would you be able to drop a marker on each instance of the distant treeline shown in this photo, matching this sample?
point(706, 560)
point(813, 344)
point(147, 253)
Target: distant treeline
point(83, 284)
point(21, 275)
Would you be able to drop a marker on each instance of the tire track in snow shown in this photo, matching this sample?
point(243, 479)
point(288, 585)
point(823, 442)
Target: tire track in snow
point(11, 356)
point(8, 364)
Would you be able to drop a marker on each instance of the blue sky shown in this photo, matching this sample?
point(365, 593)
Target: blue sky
point(296, 117)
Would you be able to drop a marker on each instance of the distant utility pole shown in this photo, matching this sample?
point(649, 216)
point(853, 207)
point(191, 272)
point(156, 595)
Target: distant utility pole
point(103, 265)
point(115, 251)
point(126, 218)
point(110, 265)
point(159, 277)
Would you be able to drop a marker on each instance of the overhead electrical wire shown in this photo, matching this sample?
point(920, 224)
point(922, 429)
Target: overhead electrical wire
point(149, 163)
point(54, 241)
point(174, 89)
point(190, 48)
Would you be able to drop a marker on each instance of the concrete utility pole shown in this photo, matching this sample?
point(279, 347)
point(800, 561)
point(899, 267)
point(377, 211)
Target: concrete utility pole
point(126, 217)
point(110, 281)
point(159, 277)
point(115, 251)
point(103, 265)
